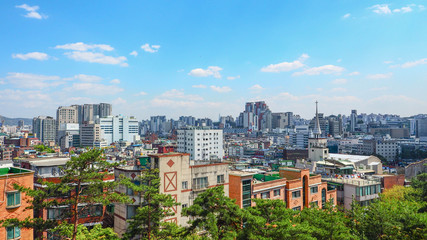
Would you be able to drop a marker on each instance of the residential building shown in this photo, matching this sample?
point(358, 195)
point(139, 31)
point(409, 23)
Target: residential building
point(14, 203)
point(44, 128)
point(353, 120)
point(183, 179)
point(202, 143)
point(118, 128)
point(282, 120)
point(306, 190)
point(361, 190)
point(387, 148)
point(65, 115)
point(90, 135)
point(156, 123)
point(68, 135)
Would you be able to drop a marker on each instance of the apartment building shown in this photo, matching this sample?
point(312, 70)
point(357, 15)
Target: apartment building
point(361, 190)
point(13, 203)
point(202, 143)
point(118, 128)
point(297, 187)
point(183, 179)
point(44, 128)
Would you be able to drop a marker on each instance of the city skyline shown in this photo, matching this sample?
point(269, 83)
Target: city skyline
point(205, 59)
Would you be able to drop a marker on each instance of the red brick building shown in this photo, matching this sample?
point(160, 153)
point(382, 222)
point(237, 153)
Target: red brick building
point(13, 203)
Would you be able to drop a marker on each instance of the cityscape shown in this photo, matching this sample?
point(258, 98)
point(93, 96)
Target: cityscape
point(197, 126)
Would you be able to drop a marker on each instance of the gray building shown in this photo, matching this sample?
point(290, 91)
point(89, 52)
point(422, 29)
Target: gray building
point(44, 128)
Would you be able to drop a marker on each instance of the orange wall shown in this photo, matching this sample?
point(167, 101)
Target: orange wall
point(21, 213)
point(235, 189)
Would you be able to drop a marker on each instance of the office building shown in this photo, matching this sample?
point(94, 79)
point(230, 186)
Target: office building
point(201, 143)
point(44, 128)
point(353, 120)
point(90, 135)
point(118, 128)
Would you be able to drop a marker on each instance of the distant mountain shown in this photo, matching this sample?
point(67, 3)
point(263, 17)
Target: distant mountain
point(14, 121)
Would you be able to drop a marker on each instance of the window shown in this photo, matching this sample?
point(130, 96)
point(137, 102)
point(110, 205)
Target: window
point(277, 192)
point(13, 233)
point(265, 195)
point(314, 204)
point(199, 183)
point(296, 208)
point(184, 205)
point(90, 211)
point(314, 189)
point(13, 199)
point(254, 195)
point(296, 194)
point(57, 213)
point(184, 185)
point(246, 193)
point(220, 178)
point(130, 211)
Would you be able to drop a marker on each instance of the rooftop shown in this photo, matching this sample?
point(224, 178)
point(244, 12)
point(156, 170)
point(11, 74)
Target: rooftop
point(348, 157)
point(45, 162)
point(352, 181)
point(12, 171)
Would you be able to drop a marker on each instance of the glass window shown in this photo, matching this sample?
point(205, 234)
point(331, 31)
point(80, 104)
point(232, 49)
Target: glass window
point(13, 232)
point(265, 195)
point(57, 213)
point(13, 199)
point(220, 178)
point(199, 183)
point(314, 189)
point(296, 208)
point(130, 211)
point(90, 211)
point(184, 185)
point(296, 194)
point(277, 192)
point(368, 190)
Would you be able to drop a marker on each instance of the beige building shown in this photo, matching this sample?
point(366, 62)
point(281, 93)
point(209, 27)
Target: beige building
point(181, 178)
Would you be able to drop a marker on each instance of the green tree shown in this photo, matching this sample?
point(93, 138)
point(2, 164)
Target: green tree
point(419, 184)
point(215, 213)
point(97, 232)
point(81, 188)
point(155, 206)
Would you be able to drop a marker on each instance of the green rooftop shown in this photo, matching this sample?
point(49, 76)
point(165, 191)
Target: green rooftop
point(12, 170)
point(266, 178)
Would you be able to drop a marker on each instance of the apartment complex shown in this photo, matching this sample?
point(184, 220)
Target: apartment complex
point(181, 178)
point(118, 128)
point(44, 128)
point(13, 203)
point(202, 143)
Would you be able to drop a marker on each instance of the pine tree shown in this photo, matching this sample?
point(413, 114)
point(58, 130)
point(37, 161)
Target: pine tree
point(155, 206)
point(81, 187)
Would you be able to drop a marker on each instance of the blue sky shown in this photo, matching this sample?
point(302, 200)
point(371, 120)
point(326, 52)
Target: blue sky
point(205, 58)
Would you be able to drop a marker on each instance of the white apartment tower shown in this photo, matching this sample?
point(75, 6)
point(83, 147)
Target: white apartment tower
point(202, 143)
point(118, 128)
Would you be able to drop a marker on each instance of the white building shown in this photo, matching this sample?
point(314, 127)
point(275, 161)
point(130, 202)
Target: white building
point(388, 149)
point(118, 128)
point(201, 143)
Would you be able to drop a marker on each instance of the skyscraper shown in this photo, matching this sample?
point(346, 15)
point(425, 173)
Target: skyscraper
point(353, 120)
point(44, 128)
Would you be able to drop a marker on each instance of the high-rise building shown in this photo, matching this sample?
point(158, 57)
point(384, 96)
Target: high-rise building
point(65, 115)
point(90, 135)
point(105, 110)
point(282, 120)
point(421, 128)
point(353, 120)
point(201, 143)
point(156, 123)
point(118, 128)
point(44, 128)
point(256, 117)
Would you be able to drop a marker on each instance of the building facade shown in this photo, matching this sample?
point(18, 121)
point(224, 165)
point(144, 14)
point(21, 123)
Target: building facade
point(44, 128)
point(118, 128)
point(201, 143)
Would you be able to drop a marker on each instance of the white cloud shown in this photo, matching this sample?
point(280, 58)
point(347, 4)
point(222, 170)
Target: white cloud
point(151, 49)
point(210, 71)
point(31, 11)
point(388, 62)
point(199, 86)
point(142, 93)
point(134, 53)
point(346, 16)
point(256, 87)
point(179, 94)
point(119, 101)
point(381, 9)
point(404, 9)
point(32, 81)
point(354, 73)
point(421, 7)
point(379, 76)
point(286, 66)
point(414, 63)
point(115, 81)
point(232, 78)
point(339, 89)
point(220, 89)
point(97, 58)
point(340, 81)
point(326, 69)
point(79, 46)
point(94, 88)
point(32, 55)
point(87, 78)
